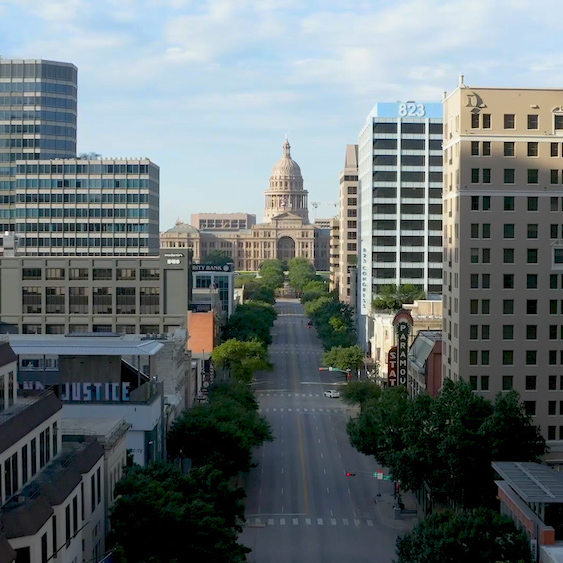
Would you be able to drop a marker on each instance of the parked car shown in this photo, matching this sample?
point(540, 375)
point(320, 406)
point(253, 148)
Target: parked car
point(332, 394)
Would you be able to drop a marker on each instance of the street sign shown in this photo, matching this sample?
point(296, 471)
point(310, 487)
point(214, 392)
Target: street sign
point(387, 478)
point(380, 475)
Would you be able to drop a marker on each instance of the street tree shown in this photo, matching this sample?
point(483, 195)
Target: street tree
point(251, 321)
point(241, 359)
point(393, 297)
point(256, 291)
point(221, 433)
point(217, 258)
point(301, 271)
point(164, 516)
point(272, 273)
point(360, 393)
point(345, 359)
point(313, 290)
point(472, 535)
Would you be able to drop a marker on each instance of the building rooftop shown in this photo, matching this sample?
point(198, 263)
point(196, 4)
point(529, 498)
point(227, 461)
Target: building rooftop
point(78, 345)
point(532, 481)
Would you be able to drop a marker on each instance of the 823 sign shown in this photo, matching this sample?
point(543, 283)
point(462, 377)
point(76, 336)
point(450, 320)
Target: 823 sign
point(410, 109)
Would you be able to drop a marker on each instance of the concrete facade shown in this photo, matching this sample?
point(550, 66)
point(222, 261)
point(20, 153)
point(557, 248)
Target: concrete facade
point(503, 249)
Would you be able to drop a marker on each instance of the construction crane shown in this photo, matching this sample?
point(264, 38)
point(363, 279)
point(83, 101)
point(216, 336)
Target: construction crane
point(316, 204)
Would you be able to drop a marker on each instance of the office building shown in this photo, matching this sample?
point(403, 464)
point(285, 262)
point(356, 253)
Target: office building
point(400, 197)
point(286, 232)
point(503, 248)
point(348, 230)
point(127, 295)
point(51, 202)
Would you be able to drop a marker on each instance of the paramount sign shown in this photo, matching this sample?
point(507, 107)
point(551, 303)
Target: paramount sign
point(403, 324)
point(392, 366)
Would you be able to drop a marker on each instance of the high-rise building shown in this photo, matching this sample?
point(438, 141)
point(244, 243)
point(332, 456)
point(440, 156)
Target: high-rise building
point(348, 241)
point(503, 247)
point(51, 202)
point(400, 198)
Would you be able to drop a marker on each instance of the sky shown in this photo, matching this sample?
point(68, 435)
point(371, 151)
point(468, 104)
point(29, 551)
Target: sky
point(208, 89)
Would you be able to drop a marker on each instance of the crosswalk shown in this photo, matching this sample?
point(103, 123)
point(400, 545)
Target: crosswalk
point(262, 521)
point(284, 394)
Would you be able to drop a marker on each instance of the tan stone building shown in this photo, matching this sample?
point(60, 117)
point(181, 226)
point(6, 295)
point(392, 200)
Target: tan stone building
point(285, 233)
point(503, 247)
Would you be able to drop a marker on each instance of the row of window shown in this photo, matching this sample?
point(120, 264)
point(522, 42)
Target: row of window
point(47, 87)
point(483, 203)
point(408, 144)
point(483, 148)
point(38, 115)
point(531, 331)
point(41, 143)
point(483, 230)
point(406, 127)
point(115, 242)
point(483, 121)
point(24, 463)
point(483, 176)
point(125, 212)
point(46, 101)
point(33, 328)
point(98, 274)
point(483, 357)
point(56, 130)
point(483, 255)
point(407, 208)
point(94, 169)
point(53, 227)
point(483, 307)
point(35, 183)
point(391, 176)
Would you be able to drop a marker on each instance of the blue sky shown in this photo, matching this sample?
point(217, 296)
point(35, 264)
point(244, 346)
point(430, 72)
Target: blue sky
point(208, 89)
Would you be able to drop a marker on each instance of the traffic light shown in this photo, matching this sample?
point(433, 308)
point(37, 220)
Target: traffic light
point(348, 474)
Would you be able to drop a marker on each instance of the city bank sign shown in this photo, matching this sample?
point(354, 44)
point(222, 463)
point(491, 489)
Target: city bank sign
point(212, 268)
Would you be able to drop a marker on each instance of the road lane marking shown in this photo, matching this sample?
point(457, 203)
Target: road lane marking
point(295, 521)
point(270, 521)
point(333, 521)
point(327, 490)
point(356, 522)
point(308, 521)
point(282, 469)
point(369, 523)
point(323, 470)
point(282, 490)
point(345, 521)
point(319, 521)
point(318, 440)
point(282, 521)
point(322, 454)
point(302, 452)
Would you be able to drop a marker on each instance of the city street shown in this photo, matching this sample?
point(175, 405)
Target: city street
point(301, 506)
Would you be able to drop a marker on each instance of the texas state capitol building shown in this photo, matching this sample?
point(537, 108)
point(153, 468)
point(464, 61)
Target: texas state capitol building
point(285, 233)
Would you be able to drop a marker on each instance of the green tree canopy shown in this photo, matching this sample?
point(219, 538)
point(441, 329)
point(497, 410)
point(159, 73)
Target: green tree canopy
point(241, 359)
point(313, 290)
point(301, 271)
point(256, 291)
point(251, 321)
point(164, 516)
point(392, 297)
point(349, 358)
point(473, 535)
point(333, 320)
point(221, 433)
point(447, 442)
point(360, 392)
point(272, 273)
point(217, 258)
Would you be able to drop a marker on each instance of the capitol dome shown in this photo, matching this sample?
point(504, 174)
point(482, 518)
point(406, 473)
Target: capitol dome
point(181, 227)
point(286, 167)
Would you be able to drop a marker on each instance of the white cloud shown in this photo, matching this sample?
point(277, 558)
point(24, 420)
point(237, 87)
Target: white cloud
point(55, 10)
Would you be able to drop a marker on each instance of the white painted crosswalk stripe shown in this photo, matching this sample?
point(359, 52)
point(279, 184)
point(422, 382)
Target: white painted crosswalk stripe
point(369, 523)
point(320, 521)
point(345, 521)
point(295, 521)
point(270, 521)
point(333, 521)
point(282, 521)
point(356, 522)
point(308, 521)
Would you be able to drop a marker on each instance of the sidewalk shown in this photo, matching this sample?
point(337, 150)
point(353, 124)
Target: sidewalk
point(384, 508)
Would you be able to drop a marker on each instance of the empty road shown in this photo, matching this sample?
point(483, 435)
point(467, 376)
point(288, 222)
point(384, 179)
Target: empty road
point(301, 506)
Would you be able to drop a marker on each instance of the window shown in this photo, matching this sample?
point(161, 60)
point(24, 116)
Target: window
point(552, 357)
point(474, 203)
point(474, 255)
point(533, 178)
point(474, 307)
point(552, 408)
point(551, 432)
point(531, 281)
point(44, 552)
point(554, 149)
point(508, 281)
point(473, 382)
point(474, 281)
point(102, 274)
point(553, 306)
point(25, 463)
point(474, 148)
point(150, 274)
point(474, 121)
point(33, 456)
point(55, 274)
point(507, 382)
point(554, 204)
point(475, 230)
point(102, 298)
point(509, 148)
point(93, 492)
point(508, 332)
point(126, 274)
point(531, 332)
point(532, 230)
point(486, 281)
point(149, 300)
point(532, 255)
point(484, 383)
point(67, 525)
point(486, 175)
point(486, 230)
point(509, 175)
point(533, 148)
point(475, 175)
point(98, 485)
point(530, 383)
point(509, 203)
point(509, 230)
point(553, 231)
point(507, 357)
point(486, 121)
point(485, 358)
point(531, 307)
point(509, 121)
point(531, 357)
point(530, 408)
point(508, 255)
point(508, 306)
point(472, 357)
point(533, 121)
point(485, 307)
point(552, 384)
point(75, 515)
point(486, 203)
point(558, 255)
point(554, 176)
point(553, 332)
point(558, 122)
point(486, 255)
point(473, 332)
point(486, 148)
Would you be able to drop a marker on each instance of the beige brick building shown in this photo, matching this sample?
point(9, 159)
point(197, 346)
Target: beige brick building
point(503, 247)
point(285, 233)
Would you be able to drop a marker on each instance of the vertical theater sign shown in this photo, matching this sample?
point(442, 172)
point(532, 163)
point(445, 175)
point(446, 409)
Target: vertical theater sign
point(403, 327)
